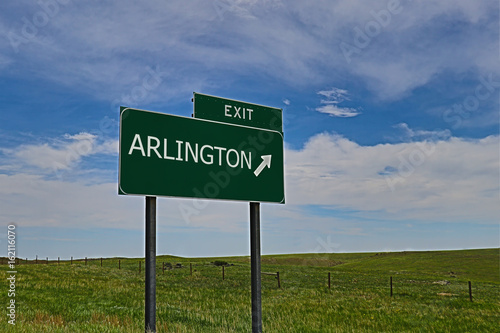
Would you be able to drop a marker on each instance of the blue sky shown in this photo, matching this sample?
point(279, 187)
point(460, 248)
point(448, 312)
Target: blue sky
point(390, 112)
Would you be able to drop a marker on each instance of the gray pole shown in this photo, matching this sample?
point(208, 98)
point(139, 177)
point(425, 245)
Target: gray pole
point(150, 305)
point(255, 267)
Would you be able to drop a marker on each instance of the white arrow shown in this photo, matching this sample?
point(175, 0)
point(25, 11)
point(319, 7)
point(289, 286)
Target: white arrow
point(266, 162)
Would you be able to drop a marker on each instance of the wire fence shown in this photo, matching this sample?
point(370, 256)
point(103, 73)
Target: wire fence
point(323, 279)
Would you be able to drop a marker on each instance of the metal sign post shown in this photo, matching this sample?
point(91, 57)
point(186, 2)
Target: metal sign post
point(150, 306)
point(255, 267)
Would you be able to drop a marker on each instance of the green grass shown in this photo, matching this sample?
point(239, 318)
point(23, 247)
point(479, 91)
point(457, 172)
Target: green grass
point(79, 298)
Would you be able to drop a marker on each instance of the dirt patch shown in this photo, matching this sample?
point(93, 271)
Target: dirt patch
point(442, 283)
point(447, 294)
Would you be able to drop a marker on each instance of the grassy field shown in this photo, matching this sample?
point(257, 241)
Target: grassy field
point(90, 298)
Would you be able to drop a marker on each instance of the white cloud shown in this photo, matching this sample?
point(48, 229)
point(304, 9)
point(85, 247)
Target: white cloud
point(411, 182)
point(395, 79)
point(334, 110)
point(109, 147)
point(419, 135)
point(334, 97)
point(445, 181)
point(294, 41)
point(61, 154)
point(30, 200)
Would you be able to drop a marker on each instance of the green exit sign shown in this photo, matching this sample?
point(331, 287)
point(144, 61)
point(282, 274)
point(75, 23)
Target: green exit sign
point(167, 155)
point(236, 112)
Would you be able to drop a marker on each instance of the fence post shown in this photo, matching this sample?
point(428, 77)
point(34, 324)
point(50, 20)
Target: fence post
point(470, 291)
point(58, 260)
point(85, 261)
point(278, 277)
point(101, 261)
point(36, 259)
point(391, 286)
point(222, 272)
point(329, 285)
point(119, 264)
point(71, 260)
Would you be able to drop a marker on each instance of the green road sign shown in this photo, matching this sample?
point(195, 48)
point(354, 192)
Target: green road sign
point(236, 112)
point(167, 155)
